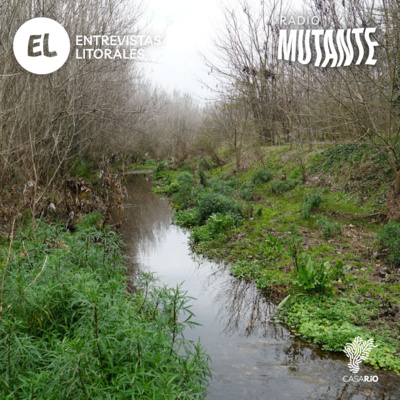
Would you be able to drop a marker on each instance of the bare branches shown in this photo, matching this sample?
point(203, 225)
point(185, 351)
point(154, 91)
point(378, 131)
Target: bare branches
point(46, 121)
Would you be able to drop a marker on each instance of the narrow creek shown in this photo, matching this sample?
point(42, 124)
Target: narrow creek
point(252, 358)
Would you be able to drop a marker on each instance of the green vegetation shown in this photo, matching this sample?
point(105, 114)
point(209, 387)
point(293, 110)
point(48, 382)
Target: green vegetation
point(319, 267)
point(186, 218)
point(329, 228)
point(389, 239)
point(231, 187)
point(216, 224)
point(182, 189)
point(280, 186)
point(261, 175)
point(311, 203)
point(313, 276)
point(210, 203)
point(333, 322)
point(148, 164)
point(69, 330)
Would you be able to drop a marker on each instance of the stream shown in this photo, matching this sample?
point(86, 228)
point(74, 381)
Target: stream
point(252, 357)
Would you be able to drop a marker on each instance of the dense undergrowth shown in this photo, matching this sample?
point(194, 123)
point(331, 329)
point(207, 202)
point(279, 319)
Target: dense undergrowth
point(70, 330)
point(306, 233)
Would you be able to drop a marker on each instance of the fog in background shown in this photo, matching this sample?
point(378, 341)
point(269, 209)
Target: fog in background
point(189, 29)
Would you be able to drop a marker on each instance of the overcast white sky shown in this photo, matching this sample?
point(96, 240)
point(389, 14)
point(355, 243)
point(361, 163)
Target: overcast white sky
point(190, 27)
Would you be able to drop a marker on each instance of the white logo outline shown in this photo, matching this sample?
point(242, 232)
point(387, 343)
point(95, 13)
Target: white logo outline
point(358, 351)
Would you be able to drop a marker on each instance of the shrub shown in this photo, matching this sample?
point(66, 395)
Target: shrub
point(215, 225)
point(231, 187)
point(220, 222)
point(329, 228)
point(245, 192)
point(261, 175)
point(311, 203)
point(186, 218)
point(183, 195)
point(200, 234)
point(211, 203)
point(173, 187)
point(202, 177)
point(279, 186)
point(220, 186)
point(389, 238)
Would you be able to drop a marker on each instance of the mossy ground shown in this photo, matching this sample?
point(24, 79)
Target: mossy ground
point(353, 182)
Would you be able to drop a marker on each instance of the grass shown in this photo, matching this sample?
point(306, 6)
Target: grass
point(148, 164)
point(330, 218)
point(70, 330)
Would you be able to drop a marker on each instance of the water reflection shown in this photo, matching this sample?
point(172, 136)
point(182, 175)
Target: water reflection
point(145, 217)
point(243, 310)
point(253, 358)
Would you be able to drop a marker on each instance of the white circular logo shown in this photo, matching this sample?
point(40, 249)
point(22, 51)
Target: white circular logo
point(41, 46)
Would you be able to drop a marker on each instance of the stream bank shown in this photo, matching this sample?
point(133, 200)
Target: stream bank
point(300, 234)
point(69, 329)
point(252, 357)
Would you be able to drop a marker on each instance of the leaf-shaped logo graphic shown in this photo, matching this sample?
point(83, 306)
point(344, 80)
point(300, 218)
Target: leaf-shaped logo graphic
point(358, 351)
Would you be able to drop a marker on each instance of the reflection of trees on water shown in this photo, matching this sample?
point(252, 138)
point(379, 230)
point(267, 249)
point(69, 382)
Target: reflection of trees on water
point(301, 351)
point(146, 216)
point(244, 310)
point(306, 360)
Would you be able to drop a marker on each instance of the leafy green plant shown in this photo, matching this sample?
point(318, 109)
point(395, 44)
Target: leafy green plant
point(339, 271)
point(389, 239)
point(91, 220)
point(184, 190)
point(220, 222)
point(216, 224)
point(261, 175)
point(311, 203)
point(160, 167)
point(332, 322)
point(245, 192)
point(211, 203)
point(274, 244)
point(83, 168)
point(280, 186)
point(231, 187)
point(245, 269)
point(186, 218)
point(313, 276)
point(329, 228)
point(200, 234)
point(173, 187)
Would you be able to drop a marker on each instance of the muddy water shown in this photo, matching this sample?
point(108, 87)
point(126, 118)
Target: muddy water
point(252, 358)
